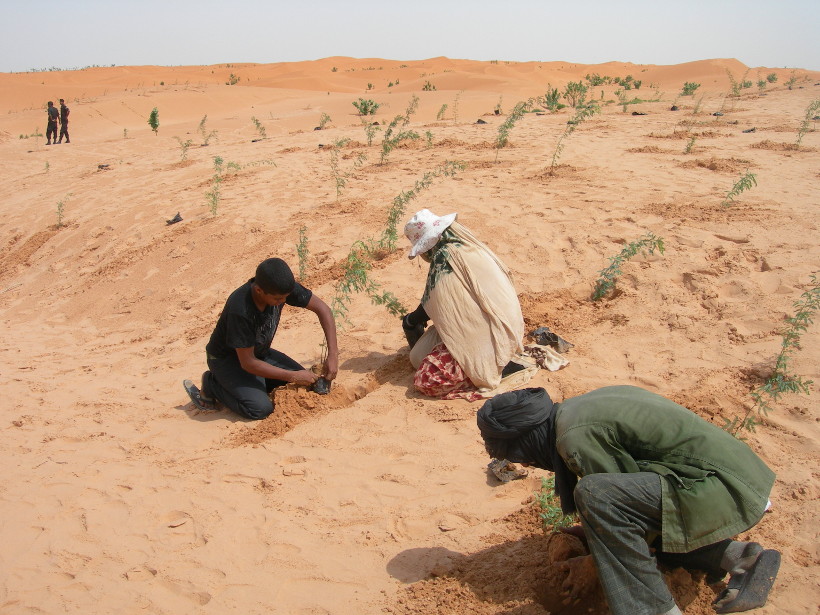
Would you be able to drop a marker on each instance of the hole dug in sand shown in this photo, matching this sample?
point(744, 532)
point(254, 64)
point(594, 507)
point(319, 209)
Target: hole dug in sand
point(294, 405)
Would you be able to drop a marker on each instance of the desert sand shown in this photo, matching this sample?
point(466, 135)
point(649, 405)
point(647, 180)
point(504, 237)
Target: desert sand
point(119, 497)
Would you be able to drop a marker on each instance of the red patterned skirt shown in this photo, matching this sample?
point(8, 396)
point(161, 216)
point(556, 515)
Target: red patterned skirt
point(440, 375)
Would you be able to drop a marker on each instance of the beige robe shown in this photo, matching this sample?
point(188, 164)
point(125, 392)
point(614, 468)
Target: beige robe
point(475, 312)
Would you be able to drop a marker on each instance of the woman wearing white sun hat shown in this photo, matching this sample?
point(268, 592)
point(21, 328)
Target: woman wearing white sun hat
point(469, 295)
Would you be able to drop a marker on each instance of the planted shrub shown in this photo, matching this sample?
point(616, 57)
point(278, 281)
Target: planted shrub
point(582, 113)
point(746, 182)
point(811, 111)
point(153, 120)
point(782, 381)
point(549, 508)
point(551, 99)
point(689, 88)
point(260, 129)
point(503, 136)
point(366, 106)
point(302, 252)
point(183, 147)
point(204, 132)
point(606, 281)
point(395, 133)
point(339, 176)
point(575, 93)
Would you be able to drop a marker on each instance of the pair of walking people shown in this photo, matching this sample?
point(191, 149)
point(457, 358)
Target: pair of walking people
point(57, 118)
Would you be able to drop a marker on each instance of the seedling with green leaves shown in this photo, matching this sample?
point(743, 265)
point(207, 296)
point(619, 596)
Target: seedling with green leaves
point(324, 120)
point(366, 106)
point(746, 182)
point(608, 276)
point(690, 144)
point(551, 99)
point(340, 176)
point(395, 132)
point(575, 93)
point(183, 147)
point(805, 124)
point(390, 236)
point(782, 381)
point(689, 88)
point(205, 133)
point(440, 114)
point(153, 120)
point(582, 113)
point(455, 106)
point(370, 129)
point(502, 139)
point(355, 279)
point(549, 508)
point(61, 210)
point(260, 129)
point(303, 253)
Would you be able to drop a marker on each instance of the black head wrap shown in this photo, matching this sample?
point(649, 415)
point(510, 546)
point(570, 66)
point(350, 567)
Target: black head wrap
point(520, 426)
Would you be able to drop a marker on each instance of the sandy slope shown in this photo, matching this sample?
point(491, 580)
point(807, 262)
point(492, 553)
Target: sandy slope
point(117, 497)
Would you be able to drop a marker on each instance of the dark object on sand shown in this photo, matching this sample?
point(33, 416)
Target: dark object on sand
point(321, 386)
point(673, 108)
point(544, 337)
point(750, 130)
point(103, 167)
point(505, 471)
point(174, 220)
point(718, 114)
point(197, 399)
point(638, 113)
point(480, 121)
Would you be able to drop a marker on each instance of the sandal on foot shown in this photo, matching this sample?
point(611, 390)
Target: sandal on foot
point(751, 589)
point(196, 396)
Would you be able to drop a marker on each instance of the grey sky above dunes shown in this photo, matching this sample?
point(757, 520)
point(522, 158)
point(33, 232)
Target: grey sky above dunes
point(48, 33)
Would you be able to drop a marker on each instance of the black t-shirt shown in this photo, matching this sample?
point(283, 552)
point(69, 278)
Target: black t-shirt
point(242, 325)
point(53, 114)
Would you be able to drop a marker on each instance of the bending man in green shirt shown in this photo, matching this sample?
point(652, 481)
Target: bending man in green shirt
point(644, 474)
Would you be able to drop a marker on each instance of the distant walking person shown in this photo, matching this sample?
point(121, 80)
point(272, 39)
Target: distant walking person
point(53, 118)
point(64, 111)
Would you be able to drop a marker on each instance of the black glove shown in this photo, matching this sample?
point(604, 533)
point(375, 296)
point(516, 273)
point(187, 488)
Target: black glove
point(413, 325)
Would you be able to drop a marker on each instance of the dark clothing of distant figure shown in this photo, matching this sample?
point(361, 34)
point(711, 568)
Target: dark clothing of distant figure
point(51, 128)
point(64, 111)
point(242, 325)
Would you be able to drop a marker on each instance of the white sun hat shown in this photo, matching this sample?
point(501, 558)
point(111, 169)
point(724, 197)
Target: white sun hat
point(424, 229)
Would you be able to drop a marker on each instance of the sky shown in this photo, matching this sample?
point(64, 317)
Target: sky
point(47, 33)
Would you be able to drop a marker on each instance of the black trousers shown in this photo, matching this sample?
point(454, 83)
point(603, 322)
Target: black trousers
point(241, 391)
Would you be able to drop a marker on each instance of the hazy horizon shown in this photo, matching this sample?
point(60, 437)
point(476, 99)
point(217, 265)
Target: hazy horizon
point(51, 35)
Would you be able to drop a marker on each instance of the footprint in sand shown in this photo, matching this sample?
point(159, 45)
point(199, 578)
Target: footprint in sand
point(180, 529)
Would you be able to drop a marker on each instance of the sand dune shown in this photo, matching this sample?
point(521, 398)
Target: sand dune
point(119, 497)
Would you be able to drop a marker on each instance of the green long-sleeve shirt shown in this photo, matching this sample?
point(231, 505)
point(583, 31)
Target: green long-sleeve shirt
point(714, 486)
